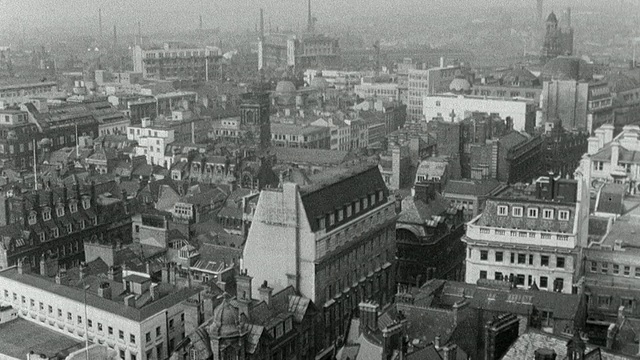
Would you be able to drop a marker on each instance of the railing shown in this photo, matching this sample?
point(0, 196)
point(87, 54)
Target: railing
point(520, 236)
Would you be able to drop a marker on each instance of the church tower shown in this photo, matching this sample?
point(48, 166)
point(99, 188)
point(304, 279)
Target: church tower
point(558, 40)
point(254, 117)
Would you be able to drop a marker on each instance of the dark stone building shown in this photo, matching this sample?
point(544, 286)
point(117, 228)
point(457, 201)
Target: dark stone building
point(54, 223)
point(428, 235)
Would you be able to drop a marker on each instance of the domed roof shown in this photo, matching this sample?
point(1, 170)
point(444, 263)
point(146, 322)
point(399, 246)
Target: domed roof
point(319, 82)
point(225, 320)
point(285, 86)
point(552, 18)
point(566, 68)
point(460, 85)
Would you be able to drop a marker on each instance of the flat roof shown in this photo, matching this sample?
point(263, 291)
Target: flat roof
point(20, 336)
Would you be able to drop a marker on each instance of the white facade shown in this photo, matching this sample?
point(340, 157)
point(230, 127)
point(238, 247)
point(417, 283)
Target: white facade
point(340, 133)
point(152, 143)
point(380, 90)
point(66, 315)
point(459, 107)
point(427, 82)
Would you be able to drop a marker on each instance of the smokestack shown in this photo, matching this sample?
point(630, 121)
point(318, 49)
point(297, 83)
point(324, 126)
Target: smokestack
point(115, 36)
point(100, 23)
point(310, 21)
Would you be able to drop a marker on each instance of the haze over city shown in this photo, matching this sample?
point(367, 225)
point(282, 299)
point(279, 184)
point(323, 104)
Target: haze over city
point(319, 179)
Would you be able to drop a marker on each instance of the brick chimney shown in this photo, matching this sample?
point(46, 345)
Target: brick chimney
point(265, 292)
point(153, 291)
point(114, 273)
point(368, 316)
point(457, 308)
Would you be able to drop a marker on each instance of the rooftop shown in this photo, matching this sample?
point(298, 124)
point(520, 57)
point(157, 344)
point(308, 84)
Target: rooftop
point(20, 336)
point(627, 227)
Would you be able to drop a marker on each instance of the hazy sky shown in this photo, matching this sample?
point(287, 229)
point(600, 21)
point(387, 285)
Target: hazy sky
point(183, 14)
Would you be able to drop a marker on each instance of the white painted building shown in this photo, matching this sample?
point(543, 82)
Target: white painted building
point(386, 91)
point(145, 325)
point(530, 236)
point(458, 107)
point(340, 132)
point(152, 142)
point(427, 82)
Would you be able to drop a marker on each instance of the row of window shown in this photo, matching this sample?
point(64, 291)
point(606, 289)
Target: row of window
point(519, 280)
point(522, 259)
point(615, 269)
point(352, 209)
point(69, 316)
point(46, 213)
point(534, 212)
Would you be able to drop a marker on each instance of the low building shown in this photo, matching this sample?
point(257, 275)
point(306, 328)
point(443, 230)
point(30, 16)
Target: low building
point(300, 136)
point(471, 195)
point(455, 108)
point(277, 324)
point(129, 313)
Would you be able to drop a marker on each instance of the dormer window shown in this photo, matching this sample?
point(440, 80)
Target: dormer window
point(380, 195)
point(42, 236)
point(32, 218)
point(73, 207)
point(55, 233)
point(69, 228)
point(46, 214)
point(365, 203)
point(82, 225)
point(60, 211)
point(95, 220)
point(86, 203)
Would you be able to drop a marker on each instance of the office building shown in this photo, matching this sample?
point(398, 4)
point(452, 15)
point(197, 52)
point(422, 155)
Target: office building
point(334, 241)
point(177, 62)
point(530, 235)
point(424, 83)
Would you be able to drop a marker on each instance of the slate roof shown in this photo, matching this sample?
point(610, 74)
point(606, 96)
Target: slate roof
point(310, 156)
point(143, 310)
point(624, 155)
point(416, 211)
point(611, 199)
point(334, 188)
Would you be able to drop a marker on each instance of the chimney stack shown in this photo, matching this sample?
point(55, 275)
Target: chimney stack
point(24, 266)
point(152, 291)
point(449, 352)
point(436, 342)
point(130, 300)
point(265, 293)
point(104, 290)
point(83, 270)
point(61, 277)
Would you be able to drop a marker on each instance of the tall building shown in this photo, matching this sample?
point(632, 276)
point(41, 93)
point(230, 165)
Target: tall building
point(333, 240)
point(558, 40)
point(177, 62)
point(530, 236)
point(427, 82)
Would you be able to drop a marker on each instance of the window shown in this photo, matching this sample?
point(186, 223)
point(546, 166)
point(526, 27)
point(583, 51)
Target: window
point(110, 330)
point(158, 331)
point(594, 266)
point(499, 255)
point(637, 272)
point(544, 282)
point(522, 258)
point(558, 284)
point(563, 215)
point(604, 268)
point(132, 338)
point(483, 274)
point(60, 211)
point(547, 214)
point(560, 262)
point(516, 211)
point(79, 319)
point(604, 301)
point(69, 316)
point(171, 324)
point(616, 269)
point(73, 207)
point(99, 326)
point(42, 236)
point(484, 254)
point(499, 276)
point(340, 215)
point(627, 303)
point(50, 309)
point(46, 215)
point(503, 210)
point(147, 337)
point(513, 257)
point(121, 334)
point(627, 270)
point(89, 323)
point(365, 203)
point(598, 165)
point(519, 279)
point(59, 312)
point(332, 219)
point(544, 260)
